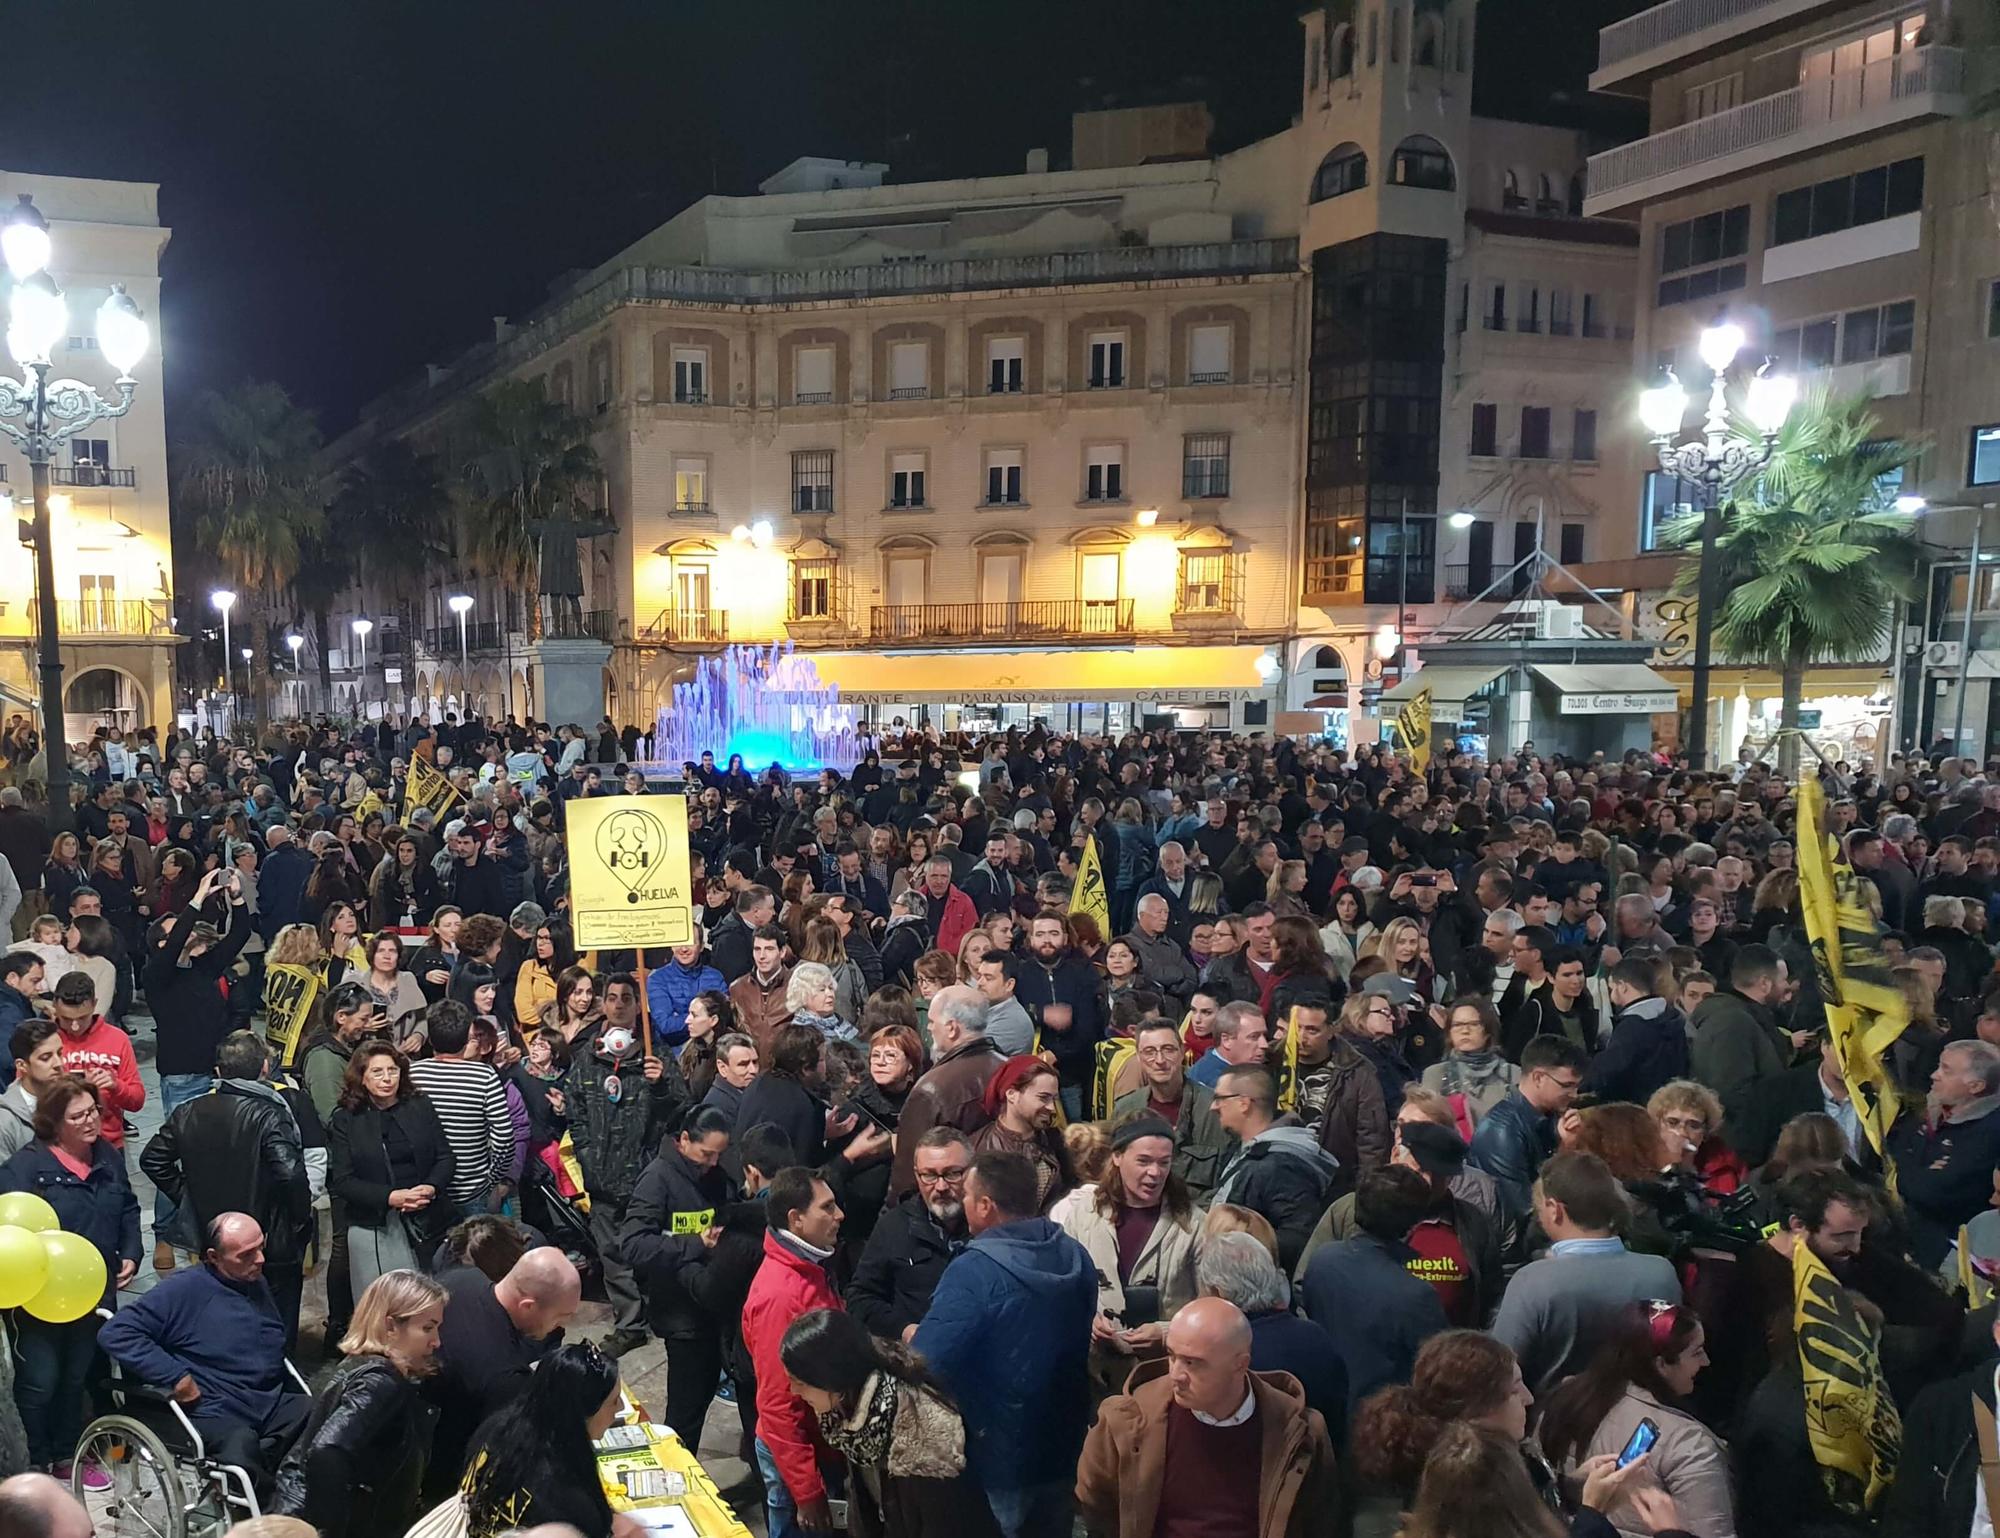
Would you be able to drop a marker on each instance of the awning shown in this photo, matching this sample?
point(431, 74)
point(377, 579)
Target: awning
point(1154, 675)
point(1448, 685)
point(1609, 688)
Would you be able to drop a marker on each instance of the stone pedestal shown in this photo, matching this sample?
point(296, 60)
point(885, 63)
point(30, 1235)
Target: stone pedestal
point(569, 682)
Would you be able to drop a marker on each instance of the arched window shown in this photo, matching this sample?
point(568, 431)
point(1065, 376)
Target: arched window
point(1576, 196)
point(1510, 192)
point(1423, 162)
point(1546, 201)
point(1343, 51)
point(1398, 20)
point(1345, 169)
point(1429, 51)
point(1328, 670)
point(1312, 69)
point(1374, 36)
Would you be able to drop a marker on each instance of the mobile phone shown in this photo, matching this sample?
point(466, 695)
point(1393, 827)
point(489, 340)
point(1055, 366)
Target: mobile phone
point(1423, 881)
point(837, 1510)
point(856, 1107)
point(1644, 1435)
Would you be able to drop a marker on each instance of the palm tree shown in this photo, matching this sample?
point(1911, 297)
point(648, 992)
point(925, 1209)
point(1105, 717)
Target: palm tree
point(531, 457)
point(244, 477)
point(1813, 555)
point(326, 570)
point(394, 508)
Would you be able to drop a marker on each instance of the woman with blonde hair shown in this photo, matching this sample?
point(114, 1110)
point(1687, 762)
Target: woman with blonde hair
point(1690, 1119)
point(1089, 1145)
point(971, 950)
point(357, 1469)
point(1401, 946)
point(1228, 1218)
point(823, 944)
point(1285, 891)
point(813, 996)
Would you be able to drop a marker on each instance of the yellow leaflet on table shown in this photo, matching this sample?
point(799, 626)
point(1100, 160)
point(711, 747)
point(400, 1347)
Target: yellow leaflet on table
point(645, 1468)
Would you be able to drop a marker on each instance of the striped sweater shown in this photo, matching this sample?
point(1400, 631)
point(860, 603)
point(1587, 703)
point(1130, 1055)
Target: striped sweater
point(472, 1105)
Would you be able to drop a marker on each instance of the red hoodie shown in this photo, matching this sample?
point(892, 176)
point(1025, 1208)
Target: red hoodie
point(103, 1045)
point(786, 1286)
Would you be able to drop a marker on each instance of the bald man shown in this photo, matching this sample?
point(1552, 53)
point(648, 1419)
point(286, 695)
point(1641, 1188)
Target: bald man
point(492, 1336)
point(213, 1336)
point(1242, 1442)
point(35, 1506)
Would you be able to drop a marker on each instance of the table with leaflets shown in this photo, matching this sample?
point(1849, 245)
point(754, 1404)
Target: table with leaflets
point(649, 1474)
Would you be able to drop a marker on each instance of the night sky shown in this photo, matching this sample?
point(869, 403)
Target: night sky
point(355, 187)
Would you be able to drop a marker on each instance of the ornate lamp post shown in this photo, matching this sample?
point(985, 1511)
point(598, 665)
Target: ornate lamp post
point(52, 410)
point(1715, 461)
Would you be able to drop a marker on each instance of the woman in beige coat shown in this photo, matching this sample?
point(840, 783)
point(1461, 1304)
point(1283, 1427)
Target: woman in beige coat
point(1645, 1372)
point(1140, 1229)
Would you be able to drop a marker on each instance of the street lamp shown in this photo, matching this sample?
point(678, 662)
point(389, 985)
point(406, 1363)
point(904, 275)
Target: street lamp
point(53, 410)
point(294, 640)
point(361, 628)
point(461, 605)
point(1715, 461)
point(225, 600)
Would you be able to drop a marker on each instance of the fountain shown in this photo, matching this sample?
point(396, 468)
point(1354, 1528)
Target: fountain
point(764, 702)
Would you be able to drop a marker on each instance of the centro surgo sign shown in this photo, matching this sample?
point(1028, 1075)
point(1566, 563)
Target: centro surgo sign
point(1650, 703)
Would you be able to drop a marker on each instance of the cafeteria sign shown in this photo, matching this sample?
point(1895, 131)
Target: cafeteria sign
point(628, 871)
point(1647, 702)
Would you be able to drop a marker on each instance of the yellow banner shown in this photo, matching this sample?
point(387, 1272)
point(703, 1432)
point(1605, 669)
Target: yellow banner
point(1090, 895)
point(290, 991)
point(1851, 1419)
point(628, 871)
point(427, 787)
point(1288, 1090)
point(1413, 726)
point(1865, 1010)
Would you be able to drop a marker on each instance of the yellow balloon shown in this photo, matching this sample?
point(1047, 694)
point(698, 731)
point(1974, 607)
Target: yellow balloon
point(24, 1209)
point(24, 1265)
point(75, 1283)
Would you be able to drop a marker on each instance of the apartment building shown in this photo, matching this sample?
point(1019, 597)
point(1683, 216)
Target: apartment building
point(1812, 169)
point(113, 549)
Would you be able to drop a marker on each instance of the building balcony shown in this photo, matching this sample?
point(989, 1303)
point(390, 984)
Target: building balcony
point(1640, 46)
point(910, 393)
point(1922, 83)
point(692, 511)
point(486, 635)
point(812, 397)
point(106, 619)
point(92, 475)
point(1343, 580)
point(677, 626)
point(589, 625)
point(1058, 620)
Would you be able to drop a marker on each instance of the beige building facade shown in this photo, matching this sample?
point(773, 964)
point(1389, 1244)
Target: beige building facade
point(112, 544)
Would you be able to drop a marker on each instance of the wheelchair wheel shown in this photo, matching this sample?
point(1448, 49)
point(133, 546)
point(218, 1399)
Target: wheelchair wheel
point(146, 1497)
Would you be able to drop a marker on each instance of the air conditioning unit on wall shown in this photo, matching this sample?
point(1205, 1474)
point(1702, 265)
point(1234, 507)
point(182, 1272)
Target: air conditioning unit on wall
point(1942, 655)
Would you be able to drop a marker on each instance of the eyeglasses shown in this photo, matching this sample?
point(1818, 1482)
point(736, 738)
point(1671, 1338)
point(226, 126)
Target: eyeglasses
point(941, 1177)
point(1161, 1052)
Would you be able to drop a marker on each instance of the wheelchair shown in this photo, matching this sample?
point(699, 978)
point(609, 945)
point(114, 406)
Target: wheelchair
point(165, 1480)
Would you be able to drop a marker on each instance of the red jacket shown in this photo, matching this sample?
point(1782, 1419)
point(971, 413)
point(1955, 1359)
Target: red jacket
point(105, 1046)
point(786, 1286)
point(958, 919)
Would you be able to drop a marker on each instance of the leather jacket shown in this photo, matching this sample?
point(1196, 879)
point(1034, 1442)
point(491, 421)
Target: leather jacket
point(357, 1470)
point(239, 1149)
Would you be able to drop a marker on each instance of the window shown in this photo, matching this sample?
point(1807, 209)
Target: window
point(83, 344)
point(1593, 319)
point(690, 485)
point(1205, 585)
point(909, 371)
point(1485, 429)
point(1344, 170)
point(1005, 364)
point(95, 452)
point(1097, 583)
point(812, 376)
point(1812, 344)
point(600, 378)
point(812, 481)
point(1464, 307)
point(1530, 318)
point(1583, 436)
point(1107, 360)
point(1701, 257)
point(1547, 204)
point(814, 585)
point(1003, 476)
point(691, 587)
point(1663, 500)
point(906, 480)
point(691, 376)
point(1993, 309)
point(1496, 308)
point(1208, 355)
point(1859, 336)
point(1713, 96)
point(1866, 197)
point(1510, 192)
point(1560, 323)
point(1205, 465)
point(1984, 466)
point(1534, 432)
point(1422, 162)
point(1104, 473)
point(99, 601)
point(907, 577)
point(1571, 549)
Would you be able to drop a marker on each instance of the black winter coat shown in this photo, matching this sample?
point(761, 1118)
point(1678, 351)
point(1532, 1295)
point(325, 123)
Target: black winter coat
point(186, 1000)
point(899, 1269)
point(614, 1140)
point(1937, 1477)
point(672, 1206)
point(236, 1150)
point(357, 1470)
point(358, 1172)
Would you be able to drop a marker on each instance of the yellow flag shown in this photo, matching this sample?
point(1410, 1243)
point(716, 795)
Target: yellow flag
point(1851, 1420)
point(427, 787)
point(628, 871)
point(1865, 1010)
point(370, 804)
point(290, 991)
point(1090, 895)
point(1413, 726)
point(1288, 1091)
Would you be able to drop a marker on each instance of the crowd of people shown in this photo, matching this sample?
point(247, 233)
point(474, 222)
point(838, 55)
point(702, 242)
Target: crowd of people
point(1431, 1154)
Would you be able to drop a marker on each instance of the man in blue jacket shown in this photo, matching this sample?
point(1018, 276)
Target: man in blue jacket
point(1519, 1134)
point(1008, 1332)
point(1945, 1158)
point(212, 1337)
point(671, 988)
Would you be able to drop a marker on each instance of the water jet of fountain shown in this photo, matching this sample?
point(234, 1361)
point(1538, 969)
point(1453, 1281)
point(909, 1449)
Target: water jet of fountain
point(765, 702)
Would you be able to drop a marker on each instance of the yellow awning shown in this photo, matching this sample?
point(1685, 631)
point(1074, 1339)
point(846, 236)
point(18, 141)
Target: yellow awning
point(1162, 675)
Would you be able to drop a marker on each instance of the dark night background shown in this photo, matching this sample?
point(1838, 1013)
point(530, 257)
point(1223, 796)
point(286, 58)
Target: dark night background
point(356, 186)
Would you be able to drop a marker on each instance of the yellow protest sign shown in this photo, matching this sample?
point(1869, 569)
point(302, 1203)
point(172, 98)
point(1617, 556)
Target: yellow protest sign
point(1288, 1088)
point(290, 992)
point(628, 871)
point(1413, 726)
point(1851, 1419)
point(427, 787)
point(1090, 895)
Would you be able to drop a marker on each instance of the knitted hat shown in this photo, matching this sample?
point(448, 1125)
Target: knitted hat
point(1013, 1073)
point(1146, 1125)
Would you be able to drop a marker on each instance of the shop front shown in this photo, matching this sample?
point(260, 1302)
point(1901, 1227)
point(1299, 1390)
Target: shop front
point(1097, 691)
point(1497, 706)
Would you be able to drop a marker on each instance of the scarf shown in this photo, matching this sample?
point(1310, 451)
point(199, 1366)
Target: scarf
point(827, 1025)
point(1476, 1069)
point(900, 1429)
